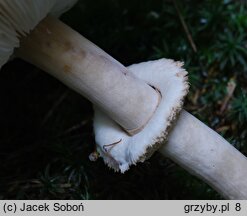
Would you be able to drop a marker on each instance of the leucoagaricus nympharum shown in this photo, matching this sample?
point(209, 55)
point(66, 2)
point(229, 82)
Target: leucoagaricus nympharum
point(135, 107)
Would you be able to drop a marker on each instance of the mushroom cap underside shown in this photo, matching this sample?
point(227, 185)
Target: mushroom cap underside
point(119, 150)
point(19, 17)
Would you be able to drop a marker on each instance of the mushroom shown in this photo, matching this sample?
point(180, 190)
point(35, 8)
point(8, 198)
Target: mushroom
point(54, 47)
point(190, 143)
point(142, 101)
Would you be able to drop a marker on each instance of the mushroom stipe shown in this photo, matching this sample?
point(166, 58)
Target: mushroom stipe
point(42, 40)
point(190, 143)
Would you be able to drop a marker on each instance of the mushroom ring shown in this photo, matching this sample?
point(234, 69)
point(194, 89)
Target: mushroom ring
point(119, 149)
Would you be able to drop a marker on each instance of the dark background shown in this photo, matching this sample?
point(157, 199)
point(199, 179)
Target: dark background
point(46, 129)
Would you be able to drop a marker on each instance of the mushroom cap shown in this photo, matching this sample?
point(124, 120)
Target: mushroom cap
point(119, 150)
point(19, 17)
